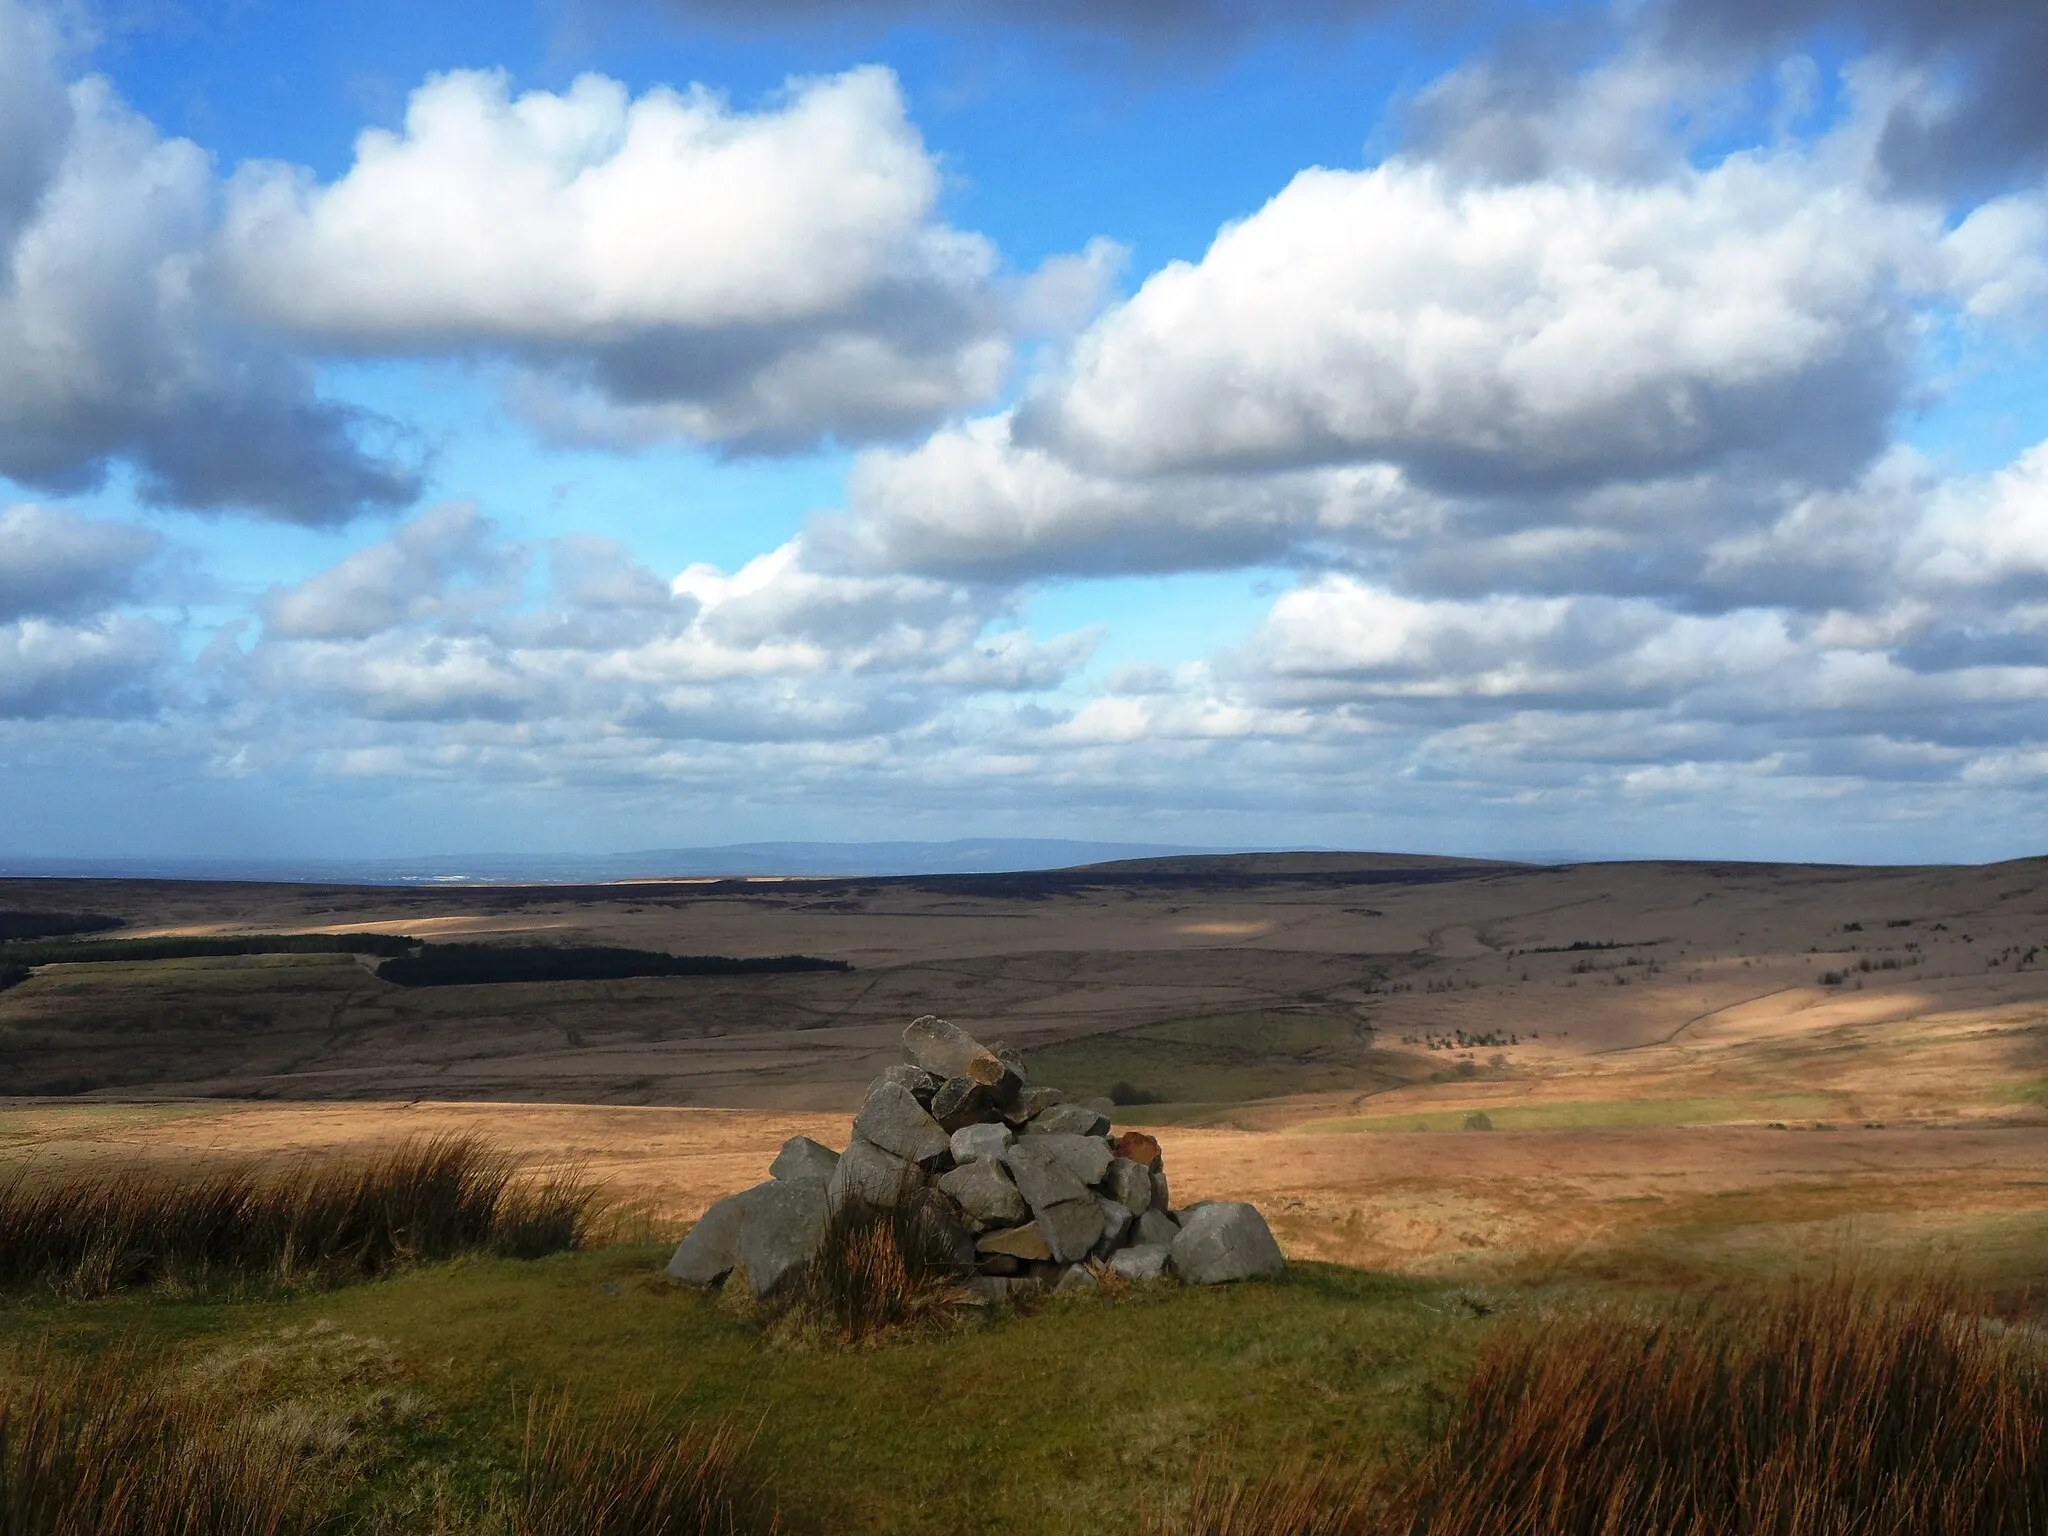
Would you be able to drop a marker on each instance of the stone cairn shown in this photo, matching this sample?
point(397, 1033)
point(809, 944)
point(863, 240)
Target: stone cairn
point(1030, 1190)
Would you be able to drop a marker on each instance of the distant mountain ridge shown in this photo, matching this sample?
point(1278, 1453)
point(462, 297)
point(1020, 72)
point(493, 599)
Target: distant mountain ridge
point(958, 856)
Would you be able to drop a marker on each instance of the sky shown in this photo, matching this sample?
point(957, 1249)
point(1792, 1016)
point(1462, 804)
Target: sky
point(591, 425)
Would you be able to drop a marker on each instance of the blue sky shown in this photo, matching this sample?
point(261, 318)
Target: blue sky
point(624, 423)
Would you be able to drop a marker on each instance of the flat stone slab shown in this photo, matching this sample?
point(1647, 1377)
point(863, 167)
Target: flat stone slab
point(985, 1193)
point(1224, 1241)
point(1073, 1119)
point(871, 1176)
point(803, 1158)
point(892, 1119)
point(711, 1248)
point(784, 1220)
point(1025, 1242)
point(975, 1143)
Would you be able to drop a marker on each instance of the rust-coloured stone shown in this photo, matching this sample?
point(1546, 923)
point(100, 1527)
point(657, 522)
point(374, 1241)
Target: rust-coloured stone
point(1139, 1148)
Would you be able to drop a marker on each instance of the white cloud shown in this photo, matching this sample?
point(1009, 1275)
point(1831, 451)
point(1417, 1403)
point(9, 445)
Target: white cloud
point(110, 349)
point(103, 668)
point(669, 266)
point(56, 564)
point(1559, 332)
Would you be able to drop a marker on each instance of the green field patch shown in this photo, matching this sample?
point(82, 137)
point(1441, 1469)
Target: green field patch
point(1604, 1114)
point(1219, 1060)
point(1065, 1421)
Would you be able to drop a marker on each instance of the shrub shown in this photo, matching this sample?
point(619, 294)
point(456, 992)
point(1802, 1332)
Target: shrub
point(91, 1233)
point(1479, 1120)
point(1124, 1094)
point(98, 1451)
point(618, 1476)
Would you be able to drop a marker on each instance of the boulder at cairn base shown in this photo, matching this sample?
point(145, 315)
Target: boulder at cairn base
point(868, 1175)
point(707, 1254)
point(784, 1220)
point(1225, 1240)
point(1141, 1261)
point(985, 1194)
point(947, 1050)
point(1156, 1229)
point(803, 1158)
point(981, 1143)
point(892, 1119)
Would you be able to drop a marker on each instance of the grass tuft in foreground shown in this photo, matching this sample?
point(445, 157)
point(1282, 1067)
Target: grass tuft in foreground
point(93, 1451)
point(879, 1271)
point(1841, 1408)
point(92, 1233)
point(616, 1476)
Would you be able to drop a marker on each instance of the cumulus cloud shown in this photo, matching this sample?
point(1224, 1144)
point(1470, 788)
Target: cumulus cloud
point(56, 564)
point(1551, 333)
point(665, 266)
point(436, 630)
point(110, 349)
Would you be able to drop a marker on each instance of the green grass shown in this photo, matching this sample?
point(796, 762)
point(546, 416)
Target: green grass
point(1062, 1420)
point(1198, 1064)
point(1607, 1114)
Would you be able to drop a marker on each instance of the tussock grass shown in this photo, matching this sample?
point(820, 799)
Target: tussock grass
point(94, 1450)
point(1834, 1408)
point(92, 1233)
point(614, 1475)
point(879, 1271)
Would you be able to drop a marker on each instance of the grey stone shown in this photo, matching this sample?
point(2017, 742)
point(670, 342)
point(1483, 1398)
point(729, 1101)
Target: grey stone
point(1141, 1261)
point(1116, 1221)
point(1085, 1157)
point(784, 1220)
point(1071, 1227)
point(803, 1158)
point(1042, 1177)
point(941, 1226)
point(1005, 1287)
point(1162, 1197)
point(1130, 1183)
point(1077, 1278)
point(893, 1120)
point(961, 1101)
point(974, 1143)
point(985, 1194)
point(1156, 1228)
point(1223, 1241)
point(1071, 1119)
point(871, 1176)
point(998, 1264)
point(947, 1050)
point(1031, 1101)
point(709, 1249)
point(1025, 1242)
point(922, 1084)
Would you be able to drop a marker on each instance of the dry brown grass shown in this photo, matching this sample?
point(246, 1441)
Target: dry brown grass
point(1836, 1408)
point(90, 1232)
point(879, 1271)
point(97, 1450)
point(614, 1475)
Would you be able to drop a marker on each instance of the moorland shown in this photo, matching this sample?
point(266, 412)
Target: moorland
point(1466, 1094)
